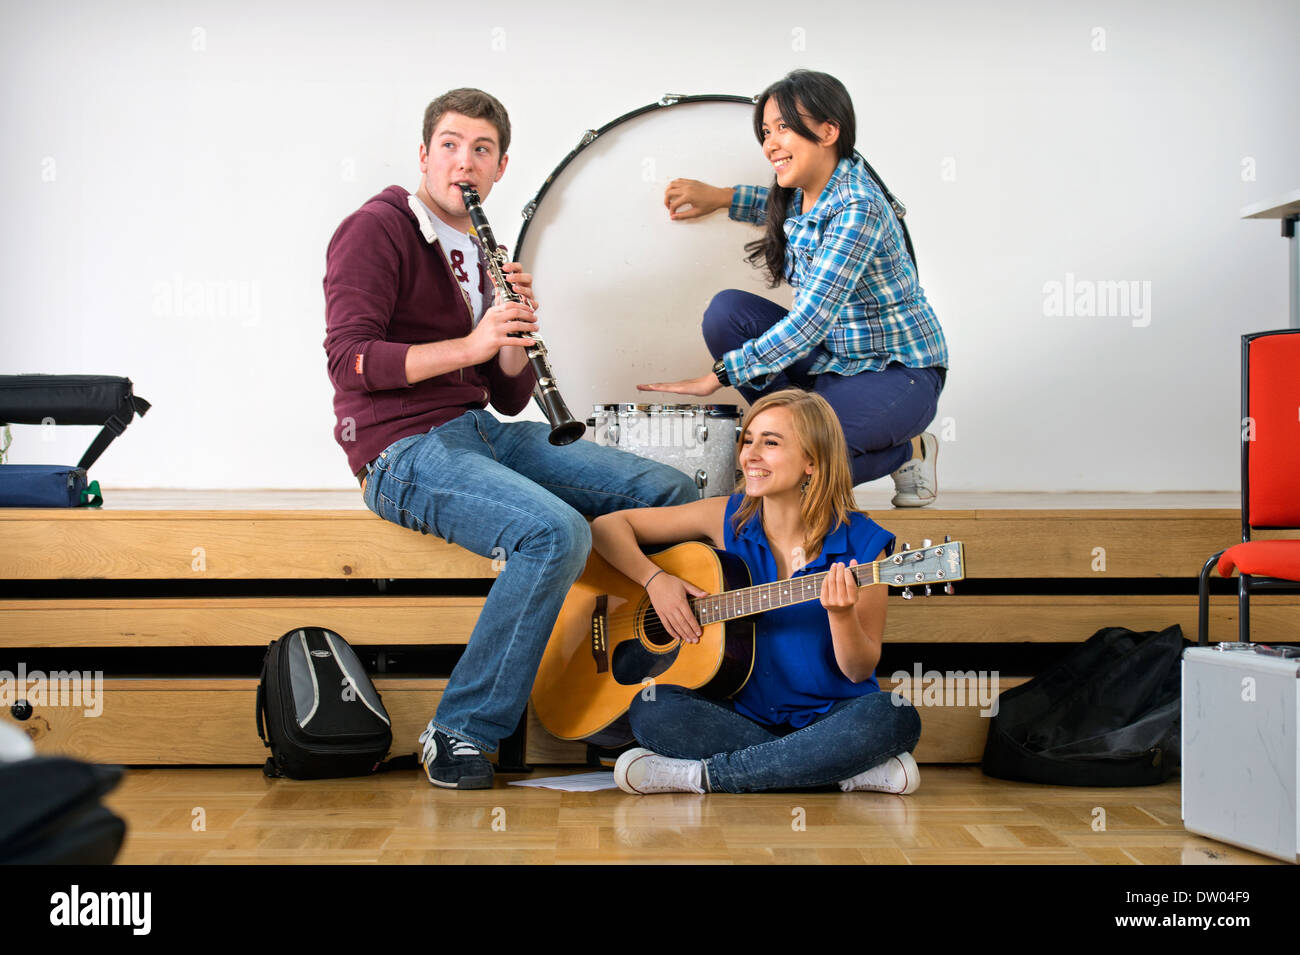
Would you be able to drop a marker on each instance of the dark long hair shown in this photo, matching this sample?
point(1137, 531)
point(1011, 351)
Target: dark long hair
point(825, 100)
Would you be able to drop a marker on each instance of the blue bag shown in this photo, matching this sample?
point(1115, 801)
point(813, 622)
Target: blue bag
point(47, 485)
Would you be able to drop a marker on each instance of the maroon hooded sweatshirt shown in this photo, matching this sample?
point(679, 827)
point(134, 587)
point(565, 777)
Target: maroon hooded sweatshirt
point(386, 289)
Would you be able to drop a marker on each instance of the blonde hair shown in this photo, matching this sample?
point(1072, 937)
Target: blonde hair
point(827, 501)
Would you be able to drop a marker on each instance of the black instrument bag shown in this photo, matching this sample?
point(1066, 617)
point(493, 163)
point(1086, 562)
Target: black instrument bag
point(1106, 715)
point(102, 400)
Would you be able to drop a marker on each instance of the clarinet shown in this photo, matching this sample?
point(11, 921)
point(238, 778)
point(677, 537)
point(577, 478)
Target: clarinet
point(565, 429)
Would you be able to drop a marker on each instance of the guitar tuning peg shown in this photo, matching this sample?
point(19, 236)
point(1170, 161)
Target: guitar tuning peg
point(907, 593)
point(927, 590)
point(948, 589)
point(947, 538)
point(927, 542)
point(906, 546)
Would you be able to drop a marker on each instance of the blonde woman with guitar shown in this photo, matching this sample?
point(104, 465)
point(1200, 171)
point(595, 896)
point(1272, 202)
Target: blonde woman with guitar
point(811, 713)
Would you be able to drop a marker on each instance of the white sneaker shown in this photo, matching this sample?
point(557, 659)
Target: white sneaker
point(916, 483)
point(640, 771)
point(898, 774)
point(14, 744)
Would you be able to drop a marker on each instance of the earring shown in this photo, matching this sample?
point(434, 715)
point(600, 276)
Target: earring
point(803, 488)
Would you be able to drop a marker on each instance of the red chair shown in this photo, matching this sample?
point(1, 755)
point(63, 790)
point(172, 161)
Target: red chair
point(1270, 476)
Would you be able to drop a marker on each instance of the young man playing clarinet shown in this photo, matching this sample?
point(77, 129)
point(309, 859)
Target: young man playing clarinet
point(418, 346)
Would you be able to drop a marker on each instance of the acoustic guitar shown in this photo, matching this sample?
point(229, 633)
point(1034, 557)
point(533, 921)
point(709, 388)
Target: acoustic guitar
point(608, 642)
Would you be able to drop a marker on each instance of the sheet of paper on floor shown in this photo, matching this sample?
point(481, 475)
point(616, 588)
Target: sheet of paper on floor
point(577, 783)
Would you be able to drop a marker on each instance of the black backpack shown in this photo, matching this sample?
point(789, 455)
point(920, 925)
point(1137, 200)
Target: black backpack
point(318, 711)
point(1107, 714)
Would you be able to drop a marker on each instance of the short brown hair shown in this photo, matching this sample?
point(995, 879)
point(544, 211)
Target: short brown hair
point(472, 103)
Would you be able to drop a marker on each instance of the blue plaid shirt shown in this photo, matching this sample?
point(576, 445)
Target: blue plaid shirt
point(857, 303)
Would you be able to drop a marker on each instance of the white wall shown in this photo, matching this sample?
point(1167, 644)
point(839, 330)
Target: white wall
point(214, 147)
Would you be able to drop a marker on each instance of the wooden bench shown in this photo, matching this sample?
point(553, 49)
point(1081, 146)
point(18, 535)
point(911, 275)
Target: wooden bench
point(230, 569)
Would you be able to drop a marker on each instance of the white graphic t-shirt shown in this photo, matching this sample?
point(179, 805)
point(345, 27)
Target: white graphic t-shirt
point(463, 257)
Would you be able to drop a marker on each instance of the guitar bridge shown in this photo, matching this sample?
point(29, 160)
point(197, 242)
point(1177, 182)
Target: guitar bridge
point(599, 645)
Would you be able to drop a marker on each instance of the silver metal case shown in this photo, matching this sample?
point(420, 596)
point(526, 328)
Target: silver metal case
point(1241, 771)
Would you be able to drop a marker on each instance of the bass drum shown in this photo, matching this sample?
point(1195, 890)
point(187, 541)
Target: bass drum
point(623, 288)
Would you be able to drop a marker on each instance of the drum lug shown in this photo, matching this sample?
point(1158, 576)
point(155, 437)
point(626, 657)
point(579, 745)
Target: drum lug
point(665, 432)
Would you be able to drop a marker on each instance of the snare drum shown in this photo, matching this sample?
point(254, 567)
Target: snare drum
point(698, 440)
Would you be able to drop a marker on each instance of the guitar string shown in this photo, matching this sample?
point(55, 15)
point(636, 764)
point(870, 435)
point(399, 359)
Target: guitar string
point(655, 627)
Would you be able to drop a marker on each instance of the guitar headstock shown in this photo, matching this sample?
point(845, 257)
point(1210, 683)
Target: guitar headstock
point(937, 564)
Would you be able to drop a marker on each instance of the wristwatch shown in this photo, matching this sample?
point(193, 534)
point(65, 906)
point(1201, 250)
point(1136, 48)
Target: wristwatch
point(720, 369)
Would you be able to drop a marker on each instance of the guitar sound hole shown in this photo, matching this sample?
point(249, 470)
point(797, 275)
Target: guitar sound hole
point(655, 632)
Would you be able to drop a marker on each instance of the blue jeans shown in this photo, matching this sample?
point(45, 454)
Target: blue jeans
point(503, 491)
point(741, 756)
point(880, 411)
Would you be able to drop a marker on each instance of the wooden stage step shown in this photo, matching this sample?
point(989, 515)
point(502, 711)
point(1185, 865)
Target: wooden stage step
point(238, 535)
point(1045, 569)
point(426, 621)
point(210, 721)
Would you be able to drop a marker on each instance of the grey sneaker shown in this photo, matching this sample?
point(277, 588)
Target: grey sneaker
point(639, 771)
point(916, 483)
point(898, 774)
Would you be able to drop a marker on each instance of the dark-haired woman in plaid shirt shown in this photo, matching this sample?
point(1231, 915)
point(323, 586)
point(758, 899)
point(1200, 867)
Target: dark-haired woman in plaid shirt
point(860, 332)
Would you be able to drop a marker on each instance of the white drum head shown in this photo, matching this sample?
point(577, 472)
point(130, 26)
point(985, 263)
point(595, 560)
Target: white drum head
point(623, 288)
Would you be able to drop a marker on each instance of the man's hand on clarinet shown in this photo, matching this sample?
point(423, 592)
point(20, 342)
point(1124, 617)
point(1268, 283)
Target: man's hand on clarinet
point(494, 329)
point(521, 282)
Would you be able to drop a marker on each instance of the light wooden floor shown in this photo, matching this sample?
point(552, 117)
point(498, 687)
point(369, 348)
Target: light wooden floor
point(959, 816)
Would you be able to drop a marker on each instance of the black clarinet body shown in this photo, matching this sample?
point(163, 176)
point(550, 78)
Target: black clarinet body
point(565, 429)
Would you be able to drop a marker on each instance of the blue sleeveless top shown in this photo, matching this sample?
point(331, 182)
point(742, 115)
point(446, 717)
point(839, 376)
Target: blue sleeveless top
point(795, 675)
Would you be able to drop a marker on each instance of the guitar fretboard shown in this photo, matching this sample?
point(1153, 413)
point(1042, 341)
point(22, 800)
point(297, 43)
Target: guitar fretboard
point(780, 593)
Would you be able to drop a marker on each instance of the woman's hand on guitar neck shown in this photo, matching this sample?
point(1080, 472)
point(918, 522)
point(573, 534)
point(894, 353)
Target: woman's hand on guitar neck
point(670, 596)
point(840, 588)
